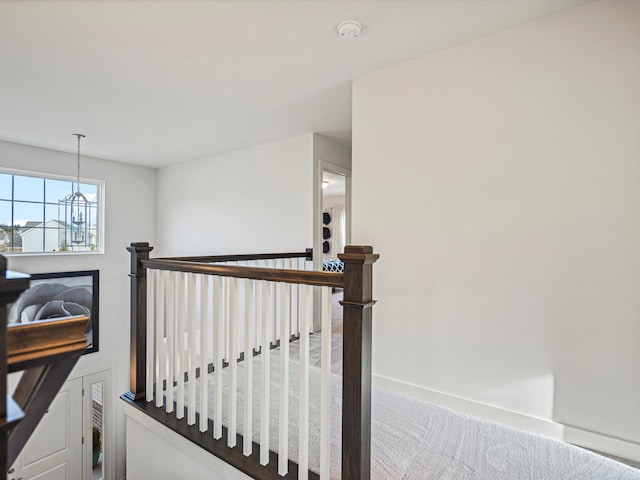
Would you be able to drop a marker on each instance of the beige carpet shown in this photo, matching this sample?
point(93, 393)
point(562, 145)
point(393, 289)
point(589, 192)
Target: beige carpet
point(414, 440)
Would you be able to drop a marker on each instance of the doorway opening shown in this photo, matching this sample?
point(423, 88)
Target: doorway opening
point(334, 214)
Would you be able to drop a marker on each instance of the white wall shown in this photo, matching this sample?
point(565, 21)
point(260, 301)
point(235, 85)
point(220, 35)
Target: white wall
point(328, 150)
point(173, 455)
point(129, 216)
point(247, 201)
point(499, 181)
point(332, 201)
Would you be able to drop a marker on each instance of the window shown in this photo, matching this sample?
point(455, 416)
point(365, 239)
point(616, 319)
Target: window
point(45, 214)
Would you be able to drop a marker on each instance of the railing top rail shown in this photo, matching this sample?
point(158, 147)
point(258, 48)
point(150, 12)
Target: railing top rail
point(240, 257)
point(307, 277)
point(34, 343)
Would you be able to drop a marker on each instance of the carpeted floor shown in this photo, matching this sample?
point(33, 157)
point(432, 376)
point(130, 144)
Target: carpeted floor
point(626, 461)
point(414, 440)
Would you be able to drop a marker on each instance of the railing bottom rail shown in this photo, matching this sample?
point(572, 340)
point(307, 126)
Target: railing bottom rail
point(249, 465)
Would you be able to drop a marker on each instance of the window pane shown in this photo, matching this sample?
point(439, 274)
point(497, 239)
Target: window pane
point(33, 240)
point(90, 191)
point(51, 215)
point(5, 238)
point(56, 190)
point(54, 239)
point(28, 214)
point(93, 217)
point(15, 240)
point(5, 186)
point(5, 212)
point(28, 188)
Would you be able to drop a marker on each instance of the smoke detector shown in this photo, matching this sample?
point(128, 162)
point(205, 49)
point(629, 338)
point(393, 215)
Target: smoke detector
point(349, 29)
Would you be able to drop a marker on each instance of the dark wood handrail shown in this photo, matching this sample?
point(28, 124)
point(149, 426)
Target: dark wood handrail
point(243, 257)
point(37, 343)
point(308, 277)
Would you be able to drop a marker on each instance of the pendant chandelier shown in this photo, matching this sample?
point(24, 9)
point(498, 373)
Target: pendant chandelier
point(75, 214)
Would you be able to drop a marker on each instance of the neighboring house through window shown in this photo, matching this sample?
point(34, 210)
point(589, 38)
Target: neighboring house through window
point(38, 216)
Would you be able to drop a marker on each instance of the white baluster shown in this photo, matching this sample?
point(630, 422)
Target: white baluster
point(192, 319)
point(294, 315)
point(233, 362)
point(225, 318)
point(284, 293)
point(218, 322)
point(160, 350)
point(151, 314)
point(241, 305)
point(249, 327)
point(258, 308)
point(277, 263)
point(277, 306)
point(180, 322)
point(306, 313)
point(171, 339)
point(267, 320)
point(254, 308)
point(325, 385)
point(205, 309)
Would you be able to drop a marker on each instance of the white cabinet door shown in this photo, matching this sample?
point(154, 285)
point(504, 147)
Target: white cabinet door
point(54, 451)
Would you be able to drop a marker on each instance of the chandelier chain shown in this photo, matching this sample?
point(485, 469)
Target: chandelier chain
point(79, 135)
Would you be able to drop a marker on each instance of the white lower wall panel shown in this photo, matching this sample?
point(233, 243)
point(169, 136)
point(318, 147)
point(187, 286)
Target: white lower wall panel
point(602, 443)
point(527, 423)
point(156, 452)
point(513, 419)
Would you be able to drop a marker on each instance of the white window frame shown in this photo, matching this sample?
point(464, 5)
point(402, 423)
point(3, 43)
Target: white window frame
point(100, 187)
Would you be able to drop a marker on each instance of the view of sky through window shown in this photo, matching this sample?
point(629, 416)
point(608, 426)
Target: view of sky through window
point(39, 214)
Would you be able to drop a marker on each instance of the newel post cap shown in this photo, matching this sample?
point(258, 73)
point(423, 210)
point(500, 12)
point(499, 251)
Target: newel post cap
point(358, 254)
point(139, 247)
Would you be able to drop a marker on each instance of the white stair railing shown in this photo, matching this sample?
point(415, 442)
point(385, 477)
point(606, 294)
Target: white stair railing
point(200, 323)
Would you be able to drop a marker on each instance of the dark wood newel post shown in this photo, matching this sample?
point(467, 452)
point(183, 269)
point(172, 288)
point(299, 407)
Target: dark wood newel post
point(356, 376)
point(12, 284)
point(138, 340)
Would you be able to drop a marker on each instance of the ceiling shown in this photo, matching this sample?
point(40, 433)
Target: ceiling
point(333, 184)
point(161, 82)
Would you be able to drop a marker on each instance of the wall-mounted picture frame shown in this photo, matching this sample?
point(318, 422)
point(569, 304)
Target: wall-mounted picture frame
point(58, 295)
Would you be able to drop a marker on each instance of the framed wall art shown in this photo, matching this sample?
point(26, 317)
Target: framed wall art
point(58, 295)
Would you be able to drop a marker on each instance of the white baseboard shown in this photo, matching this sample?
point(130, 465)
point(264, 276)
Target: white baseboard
point(602, 443)
point(524, 422)
point(541, 426)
